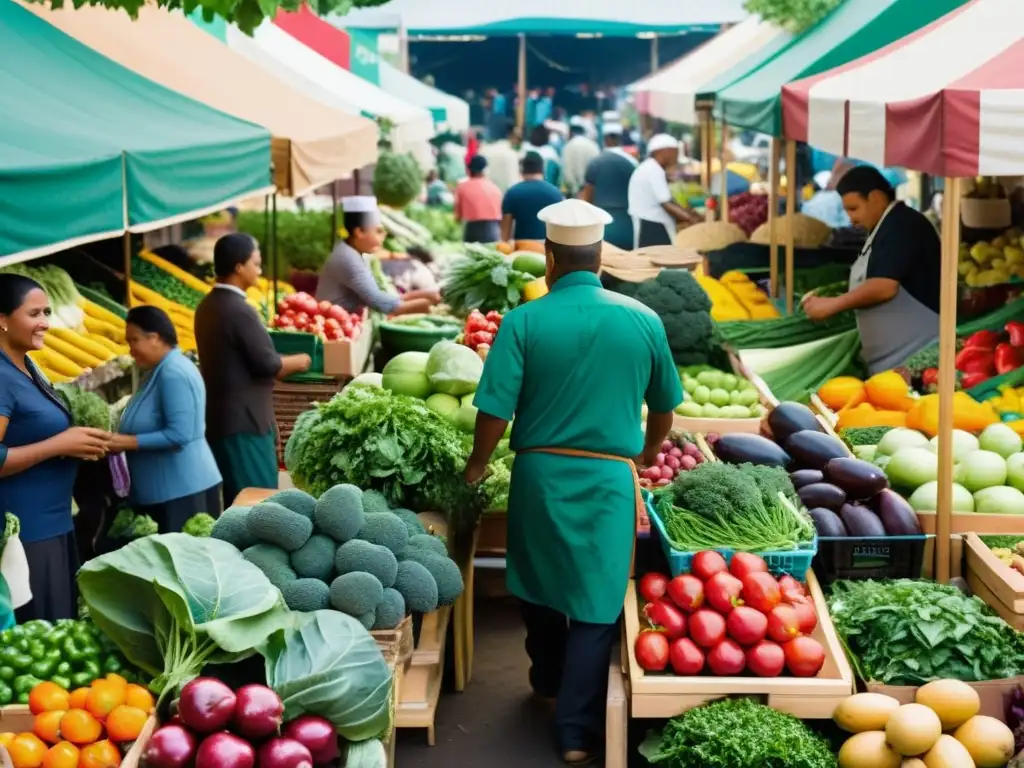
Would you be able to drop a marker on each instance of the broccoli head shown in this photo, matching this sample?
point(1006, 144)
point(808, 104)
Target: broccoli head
point(231, 527)
point(375, 502)
point(273, 562)
point(429, 543)
point(412, 522)
point(356, 594)
point(417, 586)
point(684, 308)
point(273, 524)
point(339, 512)
point(297, 501)
point(306, 595)
point(358, 555)
point(129, 526)
point(200, 525)
point(717, 490)
point(390, 610)
point(385, 529)
point(367, 619)
point(315, 558)
point(446, 573)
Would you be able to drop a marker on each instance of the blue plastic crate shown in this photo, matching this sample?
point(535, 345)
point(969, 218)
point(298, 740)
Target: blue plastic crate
point(796, 562)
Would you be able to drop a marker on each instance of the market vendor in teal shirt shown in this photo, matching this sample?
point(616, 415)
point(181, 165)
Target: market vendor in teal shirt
point(577, 433)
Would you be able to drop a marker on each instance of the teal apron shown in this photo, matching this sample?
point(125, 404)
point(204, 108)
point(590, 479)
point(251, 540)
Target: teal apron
point(620, 232)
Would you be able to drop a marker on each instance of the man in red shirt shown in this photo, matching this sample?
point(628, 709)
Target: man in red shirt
point(478, 205)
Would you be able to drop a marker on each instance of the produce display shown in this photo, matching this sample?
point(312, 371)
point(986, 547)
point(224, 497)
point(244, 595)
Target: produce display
point(68, 654)
point(793, 372)
point(710, 236)
point(1009, 550)
point(726, 618)
point(808, 232)
point(737, 298)
point(348, 550)
point(679, 453)
point(712, 394)
point(182, 317)
point(990, 353)
point(93, 726)
point(480, 330)
point(484, 279)
point(168, 285)
point(886, 733)
point(748, 211)
point(996, 261)
point(302, 313)
point(397, 179)
point(787, 331)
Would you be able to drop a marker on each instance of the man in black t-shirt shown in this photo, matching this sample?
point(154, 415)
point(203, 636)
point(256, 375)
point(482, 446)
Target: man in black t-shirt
point(894, 284)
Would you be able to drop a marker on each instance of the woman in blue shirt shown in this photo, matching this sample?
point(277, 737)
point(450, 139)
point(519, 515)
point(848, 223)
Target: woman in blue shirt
point(163, 428)
point(38, 448)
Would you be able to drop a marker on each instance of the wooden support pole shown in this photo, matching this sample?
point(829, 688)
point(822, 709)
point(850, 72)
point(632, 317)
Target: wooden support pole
point(947, 373)
point(724, 204)
point(773, 216)
point(707, 131)
point(655, 56)
point(521, 88)
point(791, 191)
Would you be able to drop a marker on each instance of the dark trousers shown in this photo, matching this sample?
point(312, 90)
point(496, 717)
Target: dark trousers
point(569, 660)
point(481, 231)
point(652, 233)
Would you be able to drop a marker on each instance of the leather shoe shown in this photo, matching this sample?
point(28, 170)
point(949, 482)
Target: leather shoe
point(578, 757)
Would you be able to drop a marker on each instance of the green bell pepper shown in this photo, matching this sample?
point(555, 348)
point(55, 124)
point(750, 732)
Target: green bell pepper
point(6, 695)
point(63, 681)
point(25, 683)
point(42, 669)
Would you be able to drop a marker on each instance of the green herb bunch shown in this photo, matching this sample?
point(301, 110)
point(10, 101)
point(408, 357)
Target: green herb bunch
point(483, 279)
point(87, 408)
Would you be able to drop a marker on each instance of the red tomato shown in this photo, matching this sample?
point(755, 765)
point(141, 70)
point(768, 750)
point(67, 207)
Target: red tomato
point(706, 564)
point(761, 591)
point(492, 328)
point(283, 306)
point(687, 592)
point(791, 589)
point(746, 626)
point(338, 313)
point(480, 337)
point(652, 586)
point(707, 628)
point(330, 322)
point(685, 657)
point(722, 592)
point(727, 659)
point(290, 313)
point(284, 321)
point(783, 623)
point(651, 650)
point(806, 614)
point(494, 316)
point(301, 320)
point(744, 563)
point(766, 659)
point(804, 656)
point(324, 307)
point(667, 617)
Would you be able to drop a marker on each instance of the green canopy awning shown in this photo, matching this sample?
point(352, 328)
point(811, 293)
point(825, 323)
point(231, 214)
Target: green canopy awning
point(758, 57)
point(89, 148)
point(856, 28)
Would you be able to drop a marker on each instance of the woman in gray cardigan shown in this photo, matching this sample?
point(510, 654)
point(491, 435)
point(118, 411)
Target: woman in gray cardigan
point(163, 428)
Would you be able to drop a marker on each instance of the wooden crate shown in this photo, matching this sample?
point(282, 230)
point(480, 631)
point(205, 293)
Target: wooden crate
point(999, 585)
point(616, 720)
point(729, 426)
point(400, 637)
point(664, 696)
point(292, 399)
point(16, 718)
point(421, 684)
point(971, 522)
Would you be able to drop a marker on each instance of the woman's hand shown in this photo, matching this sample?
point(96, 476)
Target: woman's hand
point(83, 443)
point(122, 443)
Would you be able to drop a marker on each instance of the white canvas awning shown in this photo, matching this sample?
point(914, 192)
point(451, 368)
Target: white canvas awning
point(447, 109)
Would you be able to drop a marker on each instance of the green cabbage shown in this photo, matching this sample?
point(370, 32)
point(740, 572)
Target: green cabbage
point(454, 369)
point(405, 374)
point(397, 179)
point(327, 664)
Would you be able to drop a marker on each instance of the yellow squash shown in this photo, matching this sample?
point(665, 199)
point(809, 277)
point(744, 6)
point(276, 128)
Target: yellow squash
point(71, 352)
point(85, 344)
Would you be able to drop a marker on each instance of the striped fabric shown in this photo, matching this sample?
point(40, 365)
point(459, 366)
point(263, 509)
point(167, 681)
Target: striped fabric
point(947, 100)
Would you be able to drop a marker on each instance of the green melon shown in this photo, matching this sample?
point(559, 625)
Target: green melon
point(531, 263)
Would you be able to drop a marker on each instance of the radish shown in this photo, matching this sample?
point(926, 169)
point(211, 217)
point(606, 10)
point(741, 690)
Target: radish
point(687, 463)
point(663, 482)
point(659, 460)
point(225, 750)
point(672, 461)
point(284, 753)
point(691, 450)
point(652, 473)
point(258, 712)
point(316, 734)
point(667, 446)
point(170, 747)
point(676, 451)
point(666, 473)
point(206, 705)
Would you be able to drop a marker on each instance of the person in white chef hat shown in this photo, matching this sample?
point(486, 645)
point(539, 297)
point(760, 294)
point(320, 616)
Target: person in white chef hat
point(651, 206)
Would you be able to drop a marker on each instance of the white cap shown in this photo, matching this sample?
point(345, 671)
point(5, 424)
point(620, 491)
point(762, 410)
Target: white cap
point(610, 116)
point(574, 222)
point(612, 129)
point(362, 204)
point(661, 141)
point(577, 122)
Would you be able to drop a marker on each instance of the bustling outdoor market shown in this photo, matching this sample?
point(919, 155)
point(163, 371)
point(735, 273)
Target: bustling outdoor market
point(386, 385)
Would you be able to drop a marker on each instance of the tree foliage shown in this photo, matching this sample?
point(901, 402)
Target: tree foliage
point(246, 14)
point(794, 15)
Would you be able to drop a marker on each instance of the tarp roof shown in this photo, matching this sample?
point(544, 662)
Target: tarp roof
point(88, 147)
point(320, 144)
point(309, 72)
point(955, 108)
point(671, 92)
point(566, 17)
point(333, 44)
point(855, 28)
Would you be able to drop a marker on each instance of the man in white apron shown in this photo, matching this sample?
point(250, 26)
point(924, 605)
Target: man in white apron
point(895, 282)
point(651, 206)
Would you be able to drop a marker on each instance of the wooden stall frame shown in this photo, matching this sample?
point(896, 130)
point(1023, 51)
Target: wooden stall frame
point(791, 192)
point(999, 585)
point(664, 696)
point(773, 216)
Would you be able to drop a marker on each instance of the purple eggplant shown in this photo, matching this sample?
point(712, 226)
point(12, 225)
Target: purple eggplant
point(898, 517)
point(803, 477)
point(859, 479)
point(827, 523)
point(822, 495)
point(861, 521)
point(813, 450)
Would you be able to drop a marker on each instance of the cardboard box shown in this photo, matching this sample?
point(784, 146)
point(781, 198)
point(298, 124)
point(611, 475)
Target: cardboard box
point(348, 357)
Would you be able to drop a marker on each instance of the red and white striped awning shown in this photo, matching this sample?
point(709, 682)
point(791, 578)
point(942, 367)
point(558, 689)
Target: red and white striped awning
point(947, 100)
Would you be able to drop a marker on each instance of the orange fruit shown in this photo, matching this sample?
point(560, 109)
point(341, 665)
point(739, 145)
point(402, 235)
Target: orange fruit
point(47, 697)
point(113, 677)
point(6, 739)
point(103, 697)
point(137, 696)
point(47, 726)
point(102, 754)
point(62, 755)
point(76, 700)
point(126, 723)
point(27, 751)
point(80, 727)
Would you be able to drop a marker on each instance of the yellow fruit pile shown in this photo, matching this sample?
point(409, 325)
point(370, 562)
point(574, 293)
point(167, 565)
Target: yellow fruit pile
point(737, 297)
point(994, 262)
point(183, 318)
point(86, 728)
point(942, 728)
point(67, 353)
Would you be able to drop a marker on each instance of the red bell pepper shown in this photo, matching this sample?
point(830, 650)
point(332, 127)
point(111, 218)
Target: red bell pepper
point(975, 360)
point(982, 340)
point(970, 380)
point(1008, 358)
point(930, 377)
point(1015, 329)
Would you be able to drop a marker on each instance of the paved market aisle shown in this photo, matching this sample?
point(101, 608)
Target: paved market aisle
point(493, 723)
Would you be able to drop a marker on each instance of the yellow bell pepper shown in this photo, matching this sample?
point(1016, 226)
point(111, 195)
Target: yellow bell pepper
point(535, 289)
point(968, 414)
point(837, 393)
point(888, 390)
point(866, 415)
